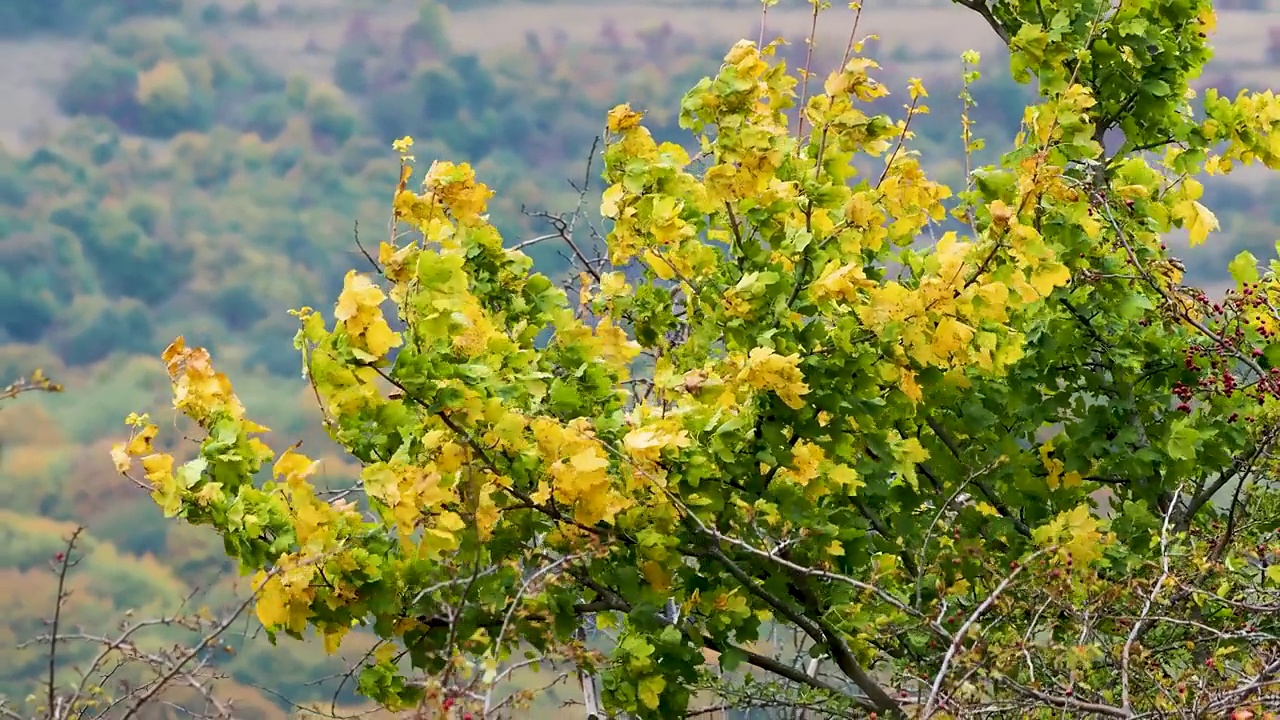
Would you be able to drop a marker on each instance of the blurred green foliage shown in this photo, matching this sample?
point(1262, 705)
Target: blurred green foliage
point(19, 19)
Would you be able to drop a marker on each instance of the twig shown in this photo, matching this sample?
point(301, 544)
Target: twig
point(515, 602)
point(1146, 608)
point(968, 623)
point(191, 654)
point(355, 231)
point(65, 563)
point(808, 65)
point(37, 382)
point(984, 10)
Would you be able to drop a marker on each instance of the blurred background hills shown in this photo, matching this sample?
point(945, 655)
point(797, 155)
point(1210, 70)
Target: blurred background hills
point(199, 167)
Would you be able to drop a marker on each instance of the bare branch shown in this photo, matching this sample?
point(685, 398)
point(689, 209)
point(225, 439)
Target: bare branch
point(968, 623)
point(1146, 608)
point(983, 9)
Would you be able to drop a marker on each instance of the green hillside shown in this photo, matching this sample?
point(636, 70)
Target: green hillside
point(201, 168)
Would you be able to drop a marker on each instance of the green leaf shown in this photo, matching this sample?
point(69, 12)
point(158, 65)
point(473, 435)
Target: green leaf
point(1272, 355)
point(1273, 574)
point(1244, 268)
point(1159, 88)
point(189, 474)
point(649, 690)
point(732, 658)
point(1183, 437)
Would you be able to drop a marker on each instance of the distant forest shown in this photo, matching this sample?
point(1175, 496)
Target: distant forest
point(191, 186)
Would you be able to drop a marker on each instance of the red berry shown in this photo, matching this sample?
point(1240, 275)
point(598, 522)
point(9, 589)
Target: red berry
point(59, 557)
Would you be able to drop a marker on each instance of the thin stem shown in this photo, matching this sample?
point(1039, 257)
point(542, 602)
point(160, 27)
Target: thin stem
point(65, 563)
point(1146, 607)
point(808, 64)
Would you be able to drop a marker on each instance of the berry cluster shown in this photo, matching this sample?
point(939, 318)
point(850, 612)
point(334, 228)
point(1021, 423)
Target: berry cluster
point(1237, 321)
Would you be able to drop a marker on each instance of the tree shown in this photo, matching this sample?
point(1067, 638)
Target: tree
point(802, 439)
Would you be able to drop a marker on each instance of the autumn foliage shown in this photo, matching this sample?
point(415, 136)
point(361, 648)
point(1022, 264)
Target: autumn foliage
point(887, 445)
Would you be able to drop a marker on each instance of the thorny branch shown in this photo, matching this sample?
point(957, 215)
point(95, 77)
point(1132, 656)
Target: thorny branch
point(171, 666)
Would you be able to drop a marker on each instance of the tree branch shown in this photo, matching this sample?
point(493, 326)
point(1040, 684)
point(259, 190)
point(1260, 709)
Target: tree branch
point(980, 7)
point(821, 633)
point(987, 492)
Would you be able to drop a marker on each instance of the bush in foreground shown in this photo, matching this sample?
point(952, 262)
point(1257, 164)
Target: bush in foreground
point(773, 448)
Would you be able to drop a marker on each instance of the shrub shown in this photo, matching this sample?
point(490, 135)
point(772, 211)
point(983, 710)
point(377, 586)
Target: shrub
point(1022, 469)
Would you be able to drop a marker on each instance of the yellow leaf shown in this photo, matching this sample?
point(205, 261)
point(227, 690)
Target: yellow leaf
point(622, 117)
point(1091, 226)
point(987, 509)
point(656, 575)
point(846, 477)
point(1049, 276)
point(1052, 465)
point(611, 200)
point(309, 520)
point(660, 267)
point(272, 607)
point(358, 295)
point(835, 548)
point(333, 639)
point(120, 458)
point(158, 467)
point(209, 494)
point(379, 338)
point(806, 458)
point(766, 370)
point(295, 468)
point(916, 88)
point(647, 443)
point(1200, 223)
point(1133, 192)
point(912, 452)
point(487, 513)
point(1208, 20)
point(385, 653)
point(450, 521)
point(907, 383)
point(456, 186)
point(1076, 533)
point(140, 444)
point(950, 338)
